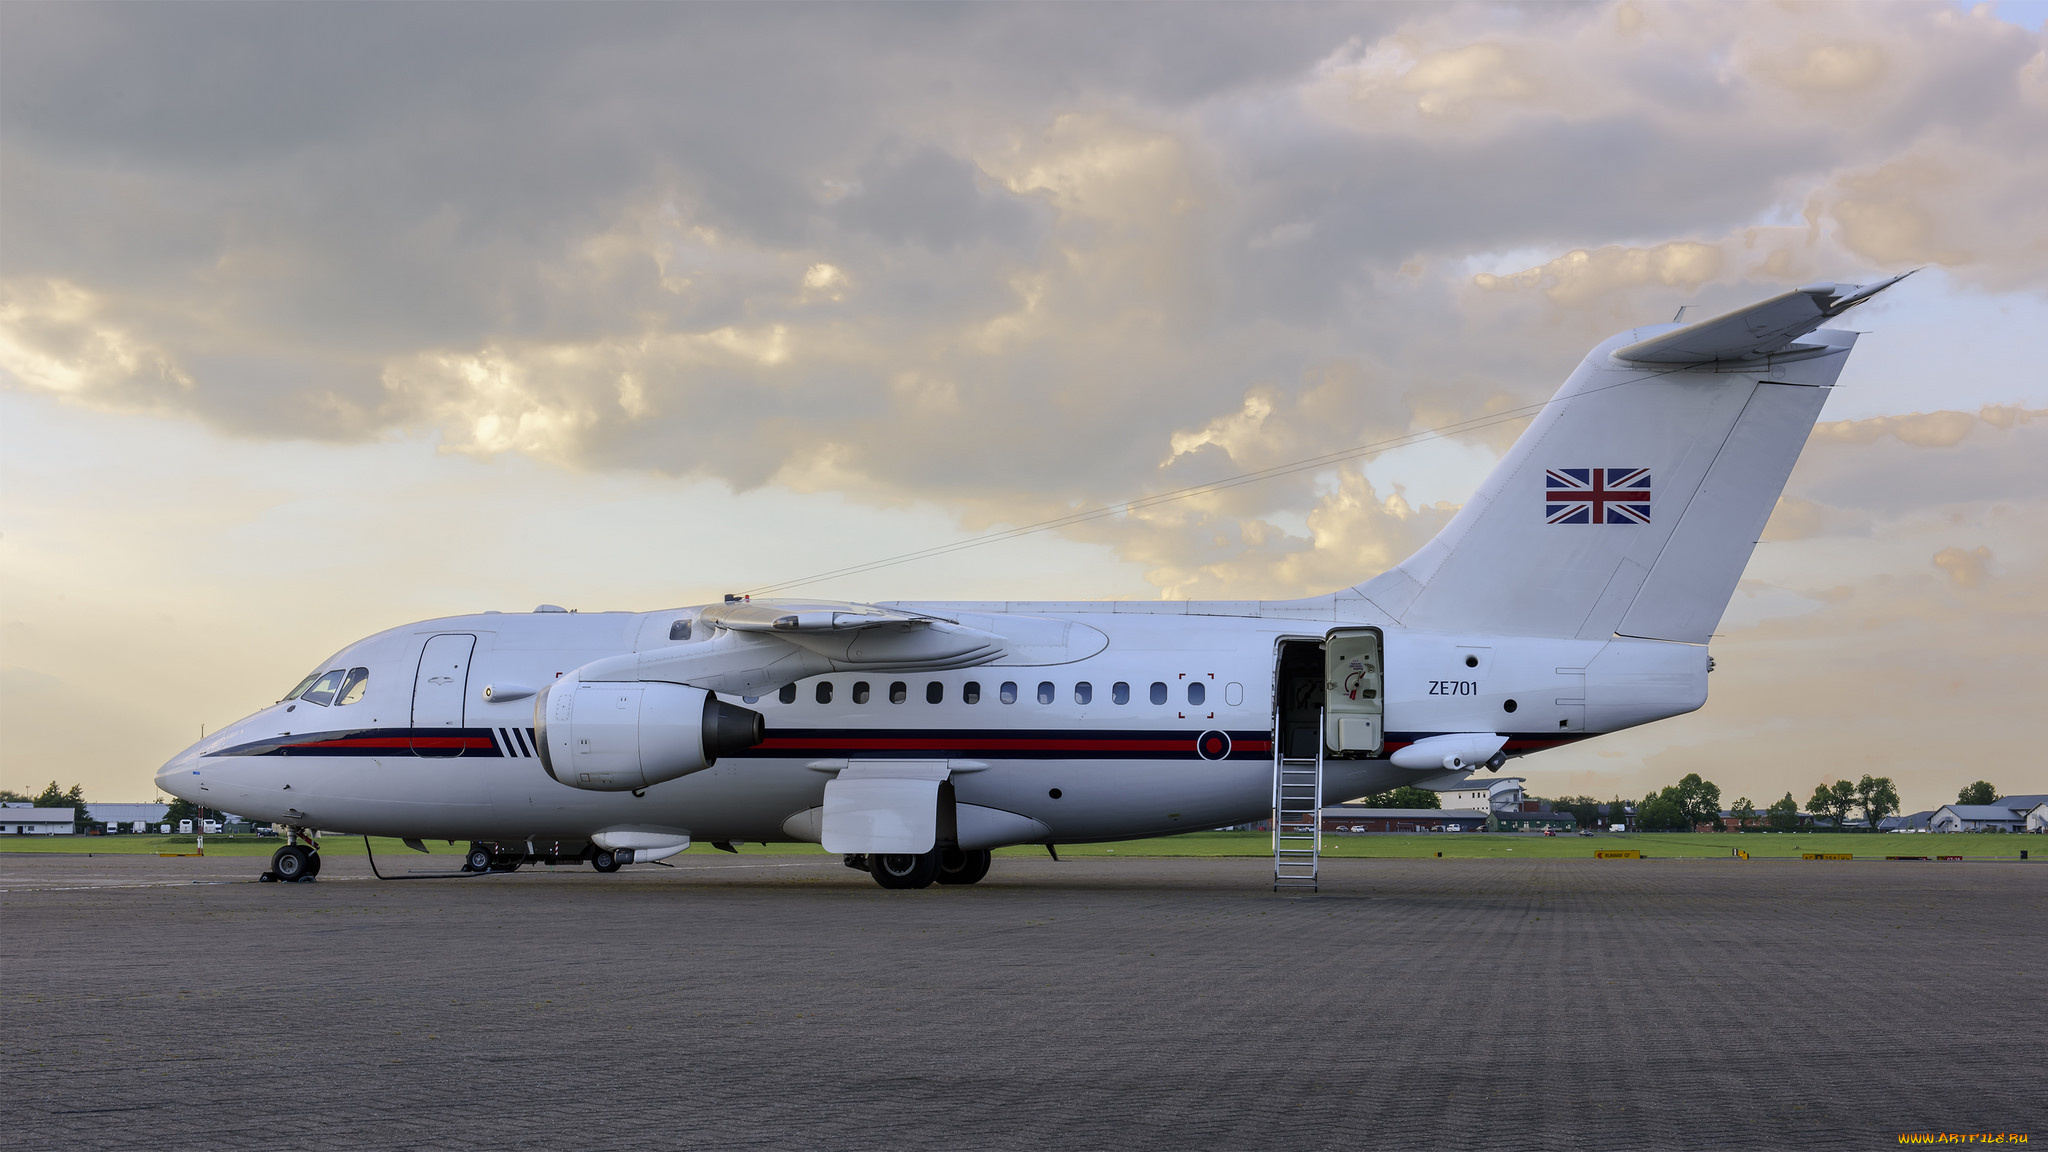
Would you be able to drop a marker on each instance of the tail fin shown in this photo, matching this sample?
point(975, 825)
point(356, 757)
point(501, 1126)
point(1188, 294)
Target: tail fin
point(1631, 505)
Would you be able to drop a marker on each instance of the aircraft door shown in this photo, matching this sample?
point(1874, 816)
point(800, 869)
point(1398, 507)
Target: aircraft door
point(1354, 719)
point(439, 693)
point(1298, 698)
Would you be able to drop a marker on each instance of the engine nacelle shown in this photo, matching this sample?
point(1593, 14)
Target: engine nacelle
point(619, 736)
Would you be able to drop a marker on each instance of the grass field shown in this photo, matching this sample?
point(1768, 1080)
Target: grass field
point(1467, 846)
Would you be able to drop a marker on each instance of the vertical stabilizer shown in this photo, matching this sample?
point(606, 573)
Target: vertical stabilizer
point(1632, 503)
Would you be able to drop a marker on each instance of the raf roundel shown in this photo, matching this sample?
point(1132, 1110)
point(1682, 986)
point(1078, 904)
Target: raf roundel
point(1213, 745)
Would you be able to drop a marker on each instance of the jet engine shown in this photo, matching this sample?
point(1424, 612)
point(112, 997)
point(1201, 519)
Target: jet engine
point(618, 736)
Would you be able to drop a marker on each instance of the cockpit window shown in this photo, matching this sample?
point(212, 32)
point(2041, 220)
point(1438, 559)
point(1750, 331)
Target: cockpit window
point(303, 685)
point(352, 689)
point(323, 689)
point(680, 630)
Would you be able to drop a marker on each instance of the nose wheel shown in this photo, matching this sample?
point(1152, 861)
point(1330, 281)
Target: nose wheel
point(292, 864)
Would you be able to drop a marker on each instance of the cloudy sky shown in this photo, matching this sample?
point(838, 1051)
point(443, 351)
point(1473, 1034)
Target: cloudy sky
point(316, 319)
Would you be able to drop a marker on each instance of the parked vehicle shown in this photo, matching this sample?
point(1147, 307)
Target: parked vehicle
point(210, 827)
point(184, 828)
point(163, 829)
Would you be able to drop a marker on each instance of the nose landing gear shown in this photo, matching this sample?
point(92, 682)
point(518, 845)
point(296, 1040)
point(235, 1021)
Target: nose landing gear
point(293, 863)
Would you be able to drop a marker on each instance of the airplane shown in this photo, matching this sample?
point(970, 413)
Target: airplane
point(1574, 595)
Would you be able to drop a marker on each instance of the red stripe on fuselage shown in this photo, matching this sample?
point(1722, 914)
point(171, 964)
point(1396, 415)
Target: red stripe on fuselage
point(399, 742)
point(987, 744)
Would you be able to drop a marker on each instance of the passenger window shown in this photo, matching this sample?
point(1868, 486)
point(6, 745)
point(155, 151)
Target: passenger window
point(788, 694)
point(1158, 692)
point(860, 692)
point(1120, 693)
point(970, 692)
point(352, 689)
point(1008, 692)
point(1196, 693)
point(323, 689)
point(1045, 691)
point(824, 691)
point(680, 630)
point(934, 692)
point(1084, 692)
point(303, 685)
point(899, 692)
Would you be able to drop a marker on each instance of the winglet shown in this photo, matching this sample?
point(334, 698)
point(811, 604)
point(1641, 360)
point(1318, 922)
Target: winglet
point(1755, 331)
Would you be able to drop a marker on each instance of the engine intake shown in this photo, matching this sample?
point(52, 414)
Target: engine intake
point(623, 736)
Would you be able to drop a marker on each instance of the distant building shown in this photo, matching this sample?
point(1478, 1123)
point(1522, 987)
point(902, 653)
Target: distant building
point(24, 820)
point(1527, 821)
point(2022, 813)
point(125, 816)
point(1977, 818)
point(1487, 795)
point(1917, 822)
point(1359, 818)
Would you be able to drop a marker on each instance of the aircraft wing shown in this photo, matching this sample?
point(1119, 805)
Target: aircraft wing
point(1759, 330)
point(786, 616)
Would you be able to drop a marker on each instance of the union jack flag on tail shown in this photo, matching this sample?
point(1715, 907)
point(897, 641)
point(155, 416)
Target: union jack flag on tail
point(1596, 496)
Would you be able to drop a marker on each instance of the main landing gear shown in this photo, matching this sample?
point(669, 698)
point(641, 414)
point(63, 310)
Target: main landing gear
point(922, 869)
point(958, 867)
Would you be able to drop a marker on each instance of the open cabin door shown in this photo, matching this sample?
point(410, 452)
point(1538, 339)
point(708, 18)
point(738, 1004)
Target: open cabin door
point(1298, 698)
point(1354, 715)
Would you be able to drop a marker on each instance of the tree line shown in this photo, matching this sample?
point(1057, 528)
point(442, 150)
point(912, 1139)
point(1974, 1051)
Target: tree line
point(1695, 802)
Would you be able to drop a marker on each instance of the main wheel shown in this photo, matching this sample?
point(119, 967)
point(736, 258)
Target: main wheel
point(963, 867)
point(478, 860)
point(904, 869)
point(312, 863)
point(604, 861)
point(292, 863)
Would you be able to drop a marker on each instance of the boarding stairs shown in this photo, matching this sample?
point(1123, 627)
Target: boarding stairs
point(1297, 816)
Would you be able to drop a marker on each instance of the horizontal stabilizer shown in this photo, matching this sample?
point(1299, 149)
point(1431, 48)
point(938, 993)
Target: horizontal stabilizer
point(1758, 330)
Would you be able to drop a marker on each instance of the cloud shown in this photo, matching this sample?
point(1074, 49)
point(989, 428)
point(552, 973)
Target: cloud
point(1579, 276)
point(1968, 568)
point(931, 198)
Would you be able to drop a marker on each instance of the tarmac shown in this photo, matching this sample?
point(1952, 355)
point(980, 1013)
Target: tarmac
point(789, 1003)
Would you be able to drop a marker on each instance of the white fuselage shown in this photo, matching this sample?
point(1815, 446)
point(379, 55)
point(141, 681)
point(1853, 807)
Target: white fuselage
point(417, 754)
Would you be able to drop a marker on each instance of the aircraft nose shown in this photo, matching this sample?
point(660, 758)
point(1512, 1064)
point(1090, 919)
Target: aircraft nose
point(180, 773)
